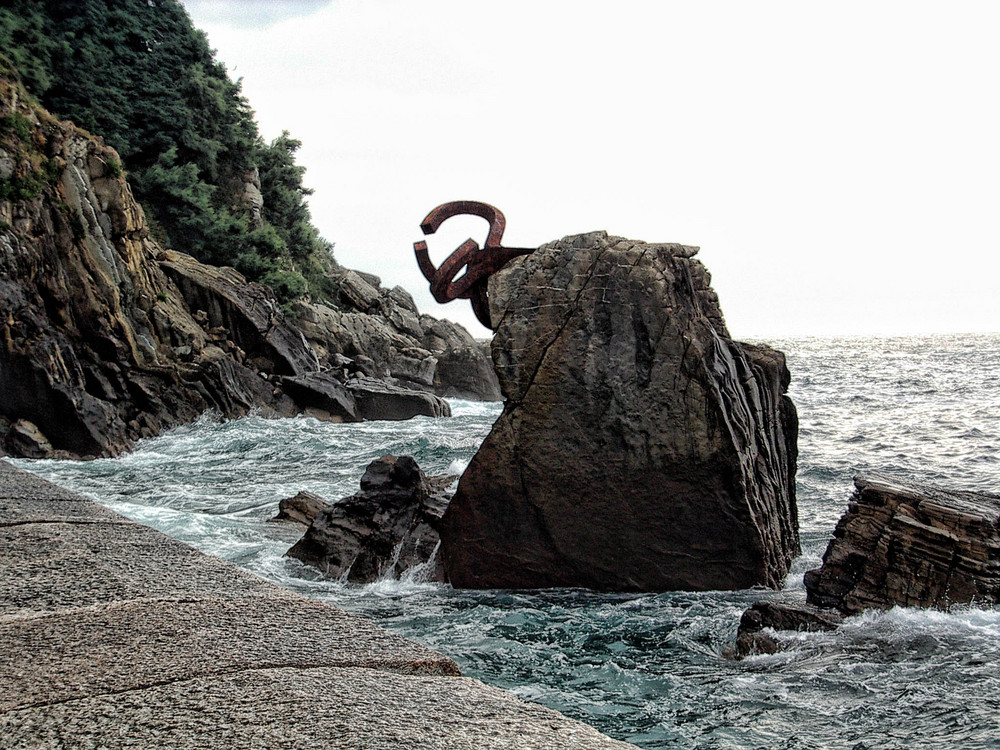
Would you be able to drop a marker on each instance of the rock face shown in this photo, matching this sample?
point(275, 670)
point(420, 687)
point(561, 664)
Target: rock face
point(640, 448)
point(105, 337)
point(379, 333)
point(912, 545)
point(391, 526)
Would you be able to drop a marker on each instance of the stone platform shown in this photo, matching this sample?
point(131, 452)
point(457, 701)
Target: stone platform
point(114, 635)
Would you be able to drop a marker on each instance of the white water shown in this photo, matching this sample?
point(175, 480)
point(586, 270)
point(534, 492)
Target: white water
point(646, 668)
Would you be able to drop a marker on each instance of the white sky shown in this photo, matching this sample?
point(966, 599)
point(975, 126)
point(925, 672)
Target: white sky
point(838, 163)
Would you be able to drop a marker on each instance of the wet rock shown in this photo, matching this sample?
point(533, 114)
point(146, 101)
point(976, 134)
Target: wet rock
point(387, 528)
point(910, 544)
point(321, 395)
point(25, 439)
point(377, 399)
point(640, 447)
point(302, 508)
point(753, 638)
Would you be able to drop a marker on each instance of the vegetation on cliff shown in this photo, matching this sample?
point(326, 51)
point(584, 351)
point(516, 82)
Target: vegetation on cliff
point(137, 73)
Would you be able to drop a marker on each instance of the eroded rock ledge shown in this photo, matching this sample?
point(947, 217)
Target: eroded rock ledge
point(640, 447)
point(900, 543)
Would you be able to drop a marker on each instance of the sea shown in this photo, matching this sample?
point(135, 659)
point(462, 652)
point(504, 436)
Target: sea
point(652, 669)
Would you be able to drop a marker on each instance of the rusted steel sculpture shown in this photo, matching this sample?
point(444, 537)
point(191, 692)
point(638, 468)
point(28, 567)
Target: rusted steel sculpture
point(479, 263)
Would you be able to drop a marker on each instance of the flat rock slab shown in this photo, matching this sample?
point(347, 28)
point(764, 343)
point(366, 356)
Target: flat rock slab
point(323, 707)
point(134, 645)
point(52, 566)
point(26, 498)
point(113, 635)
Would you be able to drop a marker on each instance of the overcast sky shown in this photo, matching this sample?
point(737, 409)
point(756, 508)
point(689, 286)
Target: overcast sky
point(838, 163)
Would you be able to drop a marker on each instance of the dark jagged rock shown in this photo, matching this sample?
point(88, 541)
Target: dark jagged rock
point(751, 637)
point(913, 545)
point(302, 508)
point(640, 448)
point(387, 528)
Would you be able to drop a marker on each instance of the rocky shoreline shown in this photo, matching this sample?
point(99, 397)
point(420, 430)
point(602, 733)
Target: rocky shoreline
point(106, 337)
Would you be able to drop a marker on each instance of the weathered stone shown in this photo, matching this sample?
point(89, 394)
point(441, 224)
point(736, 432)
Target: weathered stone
point(391, 526)
point(383, 346)
point(913, 545)
point(25, 439)
point(121, 637)
point(248, 313)
point(466, 373)
point(752, 638)
point(302, 508)
point(358, 293)
point(320, 391)
point(377, 399)
point(106, 338)
point(640, 448)
point(298, 708)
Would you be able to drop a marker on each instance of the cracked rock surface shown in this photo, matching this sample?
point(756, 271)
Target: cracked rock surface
point(640, 447)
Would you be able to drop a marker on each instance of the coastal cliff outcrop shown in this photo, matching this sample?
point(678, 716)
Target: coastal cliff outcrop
point(639, 448)
point(105, 337)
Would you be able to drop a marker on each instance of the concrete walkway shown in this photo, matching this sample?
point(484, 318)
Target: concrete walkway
point(113, 635)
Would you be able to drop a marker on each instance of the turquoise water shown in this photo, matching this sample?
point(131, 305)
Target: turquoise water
point(650, 669)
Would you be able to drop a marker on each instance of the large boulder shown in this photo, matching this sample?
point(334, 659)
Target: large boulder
point(910, 544)
point(386, 529)
point(639, 448)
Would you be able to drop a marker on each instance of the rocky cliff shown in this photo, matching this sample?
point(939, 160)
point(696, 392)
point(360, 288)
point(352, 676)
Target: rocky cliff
point(105, 337)
point(640, 447)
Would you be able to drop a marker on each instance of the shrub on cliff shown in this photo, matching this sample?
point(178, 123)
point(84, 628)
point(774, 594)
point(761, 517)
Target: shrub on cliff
point(137, 73)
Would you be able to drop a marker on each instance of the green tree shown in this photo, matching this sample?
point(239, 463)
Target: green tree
point(139, 74)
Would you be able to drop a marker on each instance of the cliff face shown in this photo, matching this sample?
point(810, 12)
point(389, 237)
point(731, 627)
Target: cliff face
point(106, 338)
point(97, 347)
point(639, 448)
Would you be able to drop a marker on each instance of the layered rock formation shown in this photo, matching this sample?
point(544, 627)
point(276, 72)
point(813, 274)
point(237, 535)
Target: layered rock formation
point(640, 448)
point(389, 527)
point(106, 338)
point(384, 336)
point(912, 545)
point(900, 543)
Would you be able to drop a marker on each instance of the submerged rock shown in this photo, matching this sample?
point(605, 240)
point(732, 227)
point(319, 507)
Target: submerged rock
point(753, 636)
point(389, 527)
point(913, 545)
point(639, 448)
